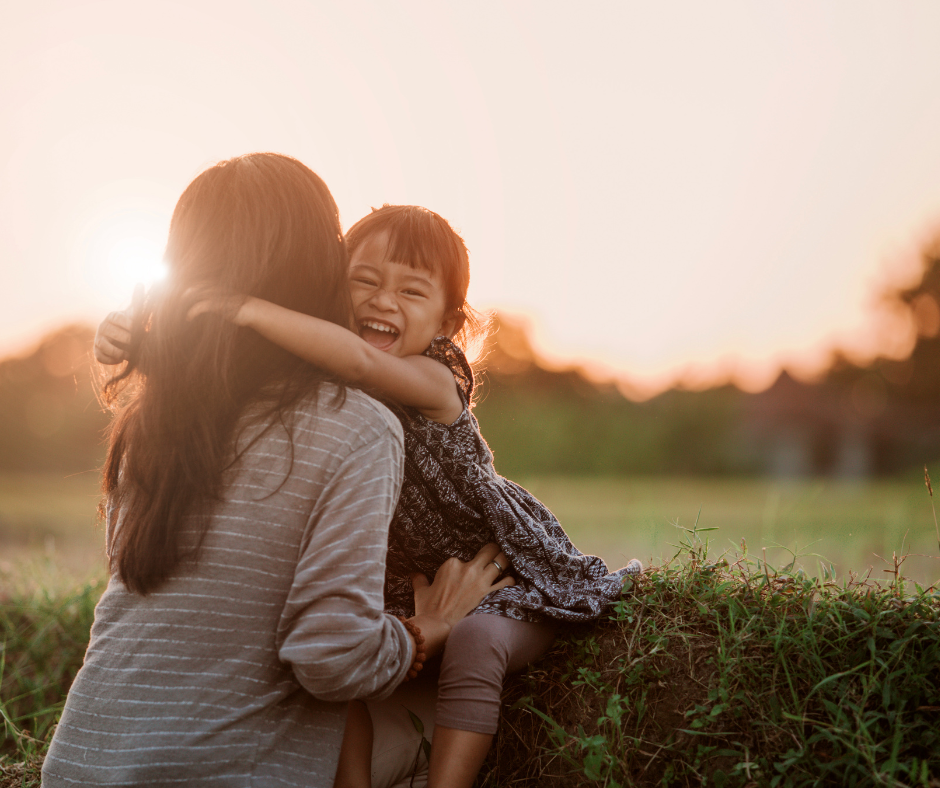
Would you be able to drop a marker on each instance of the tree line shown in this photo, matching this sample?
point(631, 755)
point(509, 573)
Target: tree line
point(540, 421)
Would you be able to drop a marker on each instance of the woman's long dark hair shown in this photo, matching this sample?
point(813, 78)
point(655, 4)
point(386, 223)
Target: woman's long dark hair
point(262, 225)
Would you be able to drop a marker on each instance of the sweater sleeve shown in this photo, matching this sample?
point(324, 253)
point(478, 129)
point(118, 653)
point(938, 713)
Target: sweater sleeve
point(332, 630)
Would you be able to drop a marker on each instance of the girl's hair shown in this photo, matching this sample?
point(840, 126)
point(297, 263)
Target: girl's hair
point(263, 225)
point(423, 239)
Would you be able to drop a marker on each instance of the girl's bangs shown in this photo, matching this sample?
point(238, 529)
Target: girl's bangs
point(418, 246)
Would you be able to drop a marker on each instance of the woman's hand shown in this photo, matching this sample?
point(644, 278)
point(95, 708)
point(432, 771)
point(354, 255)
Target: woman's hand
point(457, 589)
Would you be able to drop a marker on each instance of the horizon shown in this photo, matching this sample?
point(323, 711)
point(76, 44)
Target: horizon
point(520, 324)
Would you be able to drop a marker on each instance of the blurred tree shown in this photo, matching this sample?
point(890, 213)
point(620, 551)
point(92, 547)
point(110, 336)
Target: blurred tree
point(916, 379)
point(49, 415)
point(876, 419)
point(543, 421)
point(881, 418)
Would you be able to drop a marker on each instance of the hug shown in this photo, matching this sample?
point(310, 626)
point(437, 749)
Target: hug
point(293, 458)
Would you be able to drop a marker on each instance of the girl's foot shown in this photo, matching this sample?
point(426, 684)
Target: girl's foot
point(634, 567)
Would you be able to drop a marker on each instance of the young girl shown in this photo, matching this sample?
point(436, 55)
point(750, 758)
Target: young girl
point(408, 275)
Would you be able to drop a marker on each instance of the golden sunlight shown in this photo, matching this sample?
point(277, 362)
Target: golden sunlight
point(135, 259)
point(126, 248)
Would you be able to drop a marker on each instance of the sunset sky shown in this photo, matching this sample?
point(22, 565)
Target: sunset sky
point(665, 189)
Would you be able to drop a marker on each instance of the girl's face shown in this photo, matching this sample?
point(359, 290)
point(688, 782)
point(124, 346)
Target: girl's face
point(398, 309)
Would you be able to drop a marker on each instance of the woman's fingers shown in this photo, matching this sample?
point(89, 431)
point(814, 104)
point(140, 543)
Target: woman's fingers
point(486, 554)
point(493, 560)
point(499, 563)
point(458, 587)
point(504, 583)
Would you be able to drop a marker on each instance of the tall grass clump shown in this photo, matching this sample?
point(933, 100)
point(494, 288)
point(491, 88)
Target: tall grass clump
point(732, 673)
point(43, 636)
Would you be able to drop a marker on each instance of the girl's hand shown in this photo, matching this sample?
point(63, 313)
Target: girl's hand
point(229, 307)
point(113, 337)
point(457, 589)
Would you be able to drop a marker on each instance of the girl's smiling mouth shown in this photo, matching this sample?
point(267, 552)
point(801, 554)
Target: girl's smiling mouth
point(378, 333)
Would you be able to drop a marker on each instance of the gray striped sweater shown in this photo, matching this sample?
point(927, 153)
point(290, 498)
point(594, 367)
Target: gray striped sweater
point(234, 672)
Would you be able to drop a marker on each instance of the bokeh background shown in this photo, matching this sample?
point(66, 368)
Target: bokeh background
point(708, 234)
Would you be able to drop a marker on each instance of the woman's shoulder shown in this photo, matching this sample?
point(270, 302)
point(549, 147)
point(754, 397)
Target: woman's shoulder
point(358, 418)
point(368, 412)
point(330, 419)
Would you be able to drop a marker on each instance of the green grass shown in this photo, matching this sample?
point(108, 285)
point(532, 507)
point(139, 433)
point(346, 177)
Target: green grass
point(716, 668)
point(43, 637)
point(724, 672)
point(734, 674)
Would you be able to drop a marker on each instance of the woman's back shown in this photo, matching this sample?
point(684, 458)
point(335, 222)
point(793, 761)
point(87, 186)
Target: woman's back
point(211, 677)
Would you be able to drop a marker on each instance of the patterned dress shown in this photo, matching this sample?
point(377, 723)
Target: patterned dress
point(453, 502)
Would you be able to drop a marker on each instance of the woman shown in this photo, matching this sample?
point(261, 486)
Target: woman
point(248, 505)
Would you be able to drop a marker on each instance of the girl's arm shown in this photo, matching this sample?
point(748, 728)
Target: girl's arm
point(417, 381)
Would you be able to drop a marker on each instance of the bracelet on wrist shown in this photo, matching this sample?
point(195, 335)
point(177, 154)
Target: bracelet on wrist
point(420, 653)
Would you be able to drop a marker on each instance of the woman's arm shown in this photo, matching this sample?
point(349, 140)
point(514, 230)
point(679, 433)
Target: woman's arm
point(416, 381)
point(332, 630)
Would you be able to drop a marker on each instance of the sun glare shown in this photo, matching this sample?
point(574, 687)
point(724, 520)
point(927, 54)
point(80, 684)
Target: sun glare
point(122, 249)
point(135, 259)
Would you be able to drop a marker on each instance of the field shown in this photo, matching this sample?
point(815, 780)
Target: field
point(847, 526)
point(49, 533)
point(663, 693)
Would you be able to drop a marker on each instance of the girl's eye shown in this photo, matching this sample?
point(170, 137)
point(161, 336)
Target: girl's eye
point(361, 280)
point(414, 293)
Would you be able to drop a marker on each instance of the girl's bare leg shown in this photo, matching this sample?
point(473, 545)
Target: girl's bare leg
point(456, 757)
point(355, 755)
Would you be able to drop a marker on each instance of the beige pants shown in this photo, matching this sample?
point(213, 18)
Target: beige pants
point(480, 651)
point(397, 754)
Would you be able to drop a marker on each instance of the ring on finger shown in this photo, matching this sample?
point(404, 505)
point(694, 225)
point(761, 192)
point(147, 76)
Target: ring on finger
point(497, 565)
